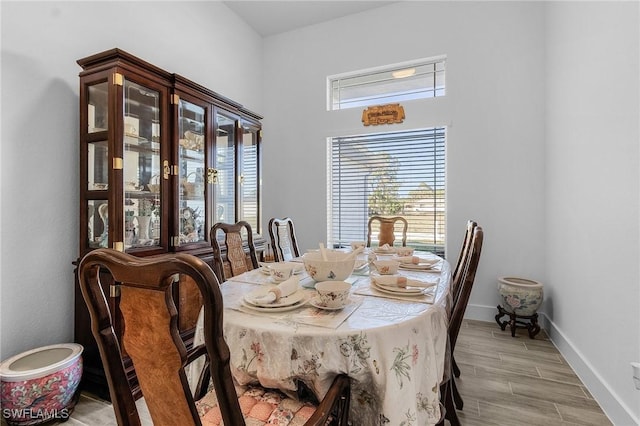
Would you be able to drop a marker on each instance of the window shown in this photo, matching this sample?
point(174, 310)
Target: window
point(394, 83)
point(388, 174)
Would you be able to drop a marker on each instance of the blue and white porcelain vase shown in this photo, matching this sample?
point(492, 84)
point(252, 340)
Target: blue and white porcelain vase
point(520, 296)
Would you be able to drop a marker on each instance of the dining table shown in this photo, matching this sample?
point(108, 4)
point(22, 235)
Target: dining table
point(392, 345)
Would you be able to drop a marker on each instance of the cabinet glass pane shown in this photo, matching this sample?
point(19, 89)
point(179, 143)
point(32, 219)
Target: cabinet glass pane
point(98, 166)
point(224, 164)
point(97, 111)
point(141, 166)
point(98, 220)
point(191, 166)
point(249, 178)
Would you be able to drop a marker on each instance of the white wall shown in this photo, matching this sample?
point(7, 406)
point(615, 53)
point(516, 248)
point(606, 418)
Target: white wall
point(494, 110)
point(592, 169)
point(41, 41)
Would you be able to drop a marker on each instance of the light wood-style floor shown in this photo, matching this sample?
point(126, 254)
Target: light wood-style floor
point(504, 381)
point(517, 381)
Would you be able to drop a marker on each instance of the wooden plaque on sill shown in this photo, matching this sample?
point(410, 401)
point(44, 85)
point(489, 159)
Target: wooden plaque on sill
point(383, 114)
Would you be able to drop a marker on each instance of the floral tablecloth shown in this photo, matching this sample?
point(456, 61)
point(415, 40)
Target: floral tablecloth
point(393, 350)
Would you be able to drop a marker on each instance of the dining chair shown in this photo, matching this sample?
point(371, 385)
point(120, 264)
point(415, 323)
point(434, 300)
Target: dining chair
point(386, 228)
point(283, 239)
point(236, 259)
point(457, 272)
point(152, 341)
point(449, 396)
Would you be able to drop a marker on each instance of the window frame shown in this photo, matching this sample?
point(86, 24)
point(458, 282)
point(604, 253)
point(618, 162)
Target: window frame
point(377, 97)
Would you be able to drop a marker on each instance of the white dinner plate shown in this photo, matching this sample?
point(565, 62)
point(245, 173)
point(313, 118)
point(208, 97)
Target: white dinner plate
point(289, 300)
point(270, 310)
point(398, 290)
point(316, 304)
point(418, 267)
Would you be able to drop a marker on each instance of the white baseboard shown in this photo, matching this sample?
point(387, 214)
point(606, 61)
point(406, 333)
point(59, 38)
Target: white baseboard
point(618, 412)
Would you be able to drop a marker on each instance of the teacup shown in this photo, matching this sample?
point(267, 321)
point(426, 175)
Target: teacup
point(404, 251)
point(280, 271)
point(357, 244)
point(386, 267)
point(333, 294)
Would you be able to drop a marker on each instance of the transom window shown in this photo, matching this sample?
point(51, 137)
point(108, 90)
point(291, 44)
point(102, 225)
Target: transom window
point(388, 174)
point(419, 79)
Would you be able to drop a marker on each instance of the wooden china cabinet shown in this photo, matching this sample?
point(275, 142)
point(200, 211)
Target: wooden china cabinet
point(161, 160)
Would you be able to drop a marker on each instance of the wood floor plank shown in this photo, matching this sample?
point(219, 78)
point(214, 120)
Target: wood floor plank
point(515, 415)
point(583, 416)
point(561, 374)
point(493, 361)
point(535, 359)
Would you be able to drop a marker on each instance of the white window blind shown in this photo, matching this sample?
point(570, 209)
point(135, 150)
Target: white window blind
point(388, 174)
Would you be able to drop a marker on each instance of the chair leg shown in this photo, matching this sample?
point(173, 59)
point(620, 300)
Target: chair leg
point(446, 398)
point(454, 365)
point(457, 398)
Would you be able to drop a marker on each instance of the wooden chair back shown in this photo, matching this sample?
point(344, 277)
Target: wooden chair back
point(386, 227)
point(283, 239)
point(151, 336)
point(462, 258)
point(240, 254)
point(468, 275)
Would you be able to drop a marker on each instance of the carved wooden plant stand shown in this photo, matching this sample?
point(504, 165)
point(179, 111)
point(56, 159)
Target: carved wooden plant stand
point(515, 322)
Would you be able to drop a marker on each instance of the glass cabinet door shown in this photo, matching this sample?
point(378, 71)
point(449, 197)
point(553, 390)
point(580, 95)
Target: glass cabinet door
point(224, 169)
point(191, 173)
point(97, 161)
point(142, 171)
point(250, 177)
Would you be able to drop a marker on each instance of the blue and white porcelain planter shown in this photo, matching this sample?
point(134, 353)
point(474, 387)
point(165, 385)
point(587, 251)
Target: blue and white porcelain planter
point(520, 296)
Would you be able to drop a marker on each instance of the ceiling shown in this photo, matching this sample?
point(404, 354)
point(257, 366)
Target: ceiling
point(275, 17)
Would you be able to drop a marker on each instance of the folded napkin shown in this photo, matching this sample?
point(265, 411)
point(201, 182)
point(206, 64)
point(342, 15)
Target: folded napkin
point(398, 281)
point(408, 259)
point(284, 289)
point(385, 247)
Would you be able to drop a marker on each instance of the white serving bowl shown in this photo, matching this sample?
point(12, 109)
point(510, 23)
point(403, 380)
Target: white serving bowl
point(337, 267)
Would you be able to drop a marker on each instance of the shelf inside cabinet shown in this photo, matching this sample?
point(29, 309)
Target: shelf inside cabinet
point(189, 154)
point(136, 143)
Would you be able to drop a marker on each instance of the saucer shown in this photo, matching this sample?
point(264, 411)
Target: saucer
point(315, 303)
